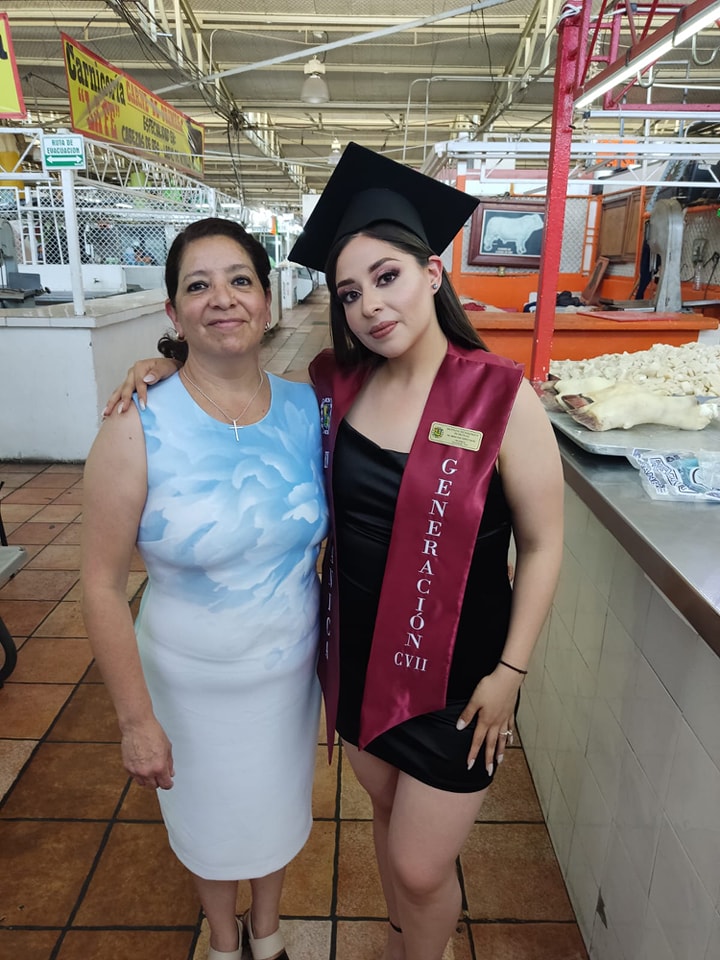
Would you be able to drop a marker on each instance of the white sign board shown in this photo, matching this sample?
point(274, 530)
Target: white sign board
point(63, 151)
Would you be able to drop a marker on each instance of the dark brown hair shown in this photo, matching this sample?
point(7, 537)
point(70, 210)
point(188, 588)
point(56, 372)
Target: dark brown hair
point(169, 345)
point(452, 318)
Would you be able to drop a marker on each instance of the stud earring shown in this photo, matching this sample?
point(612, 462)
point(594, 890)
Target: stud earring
point(434, 286)
point(267, 326)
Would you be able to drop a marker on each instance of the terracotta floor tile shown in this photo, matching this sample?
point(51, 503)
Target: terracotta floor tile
point(93, 675)
point(52, 660)
point(325, 785)
point(35, 532)
point(40, 497)
point(528, 941)
point(58, 512)
point(38, 584)
point(70, 536)
point(354, 800)
point(57, 557)
point(27, 944)
point(365, 940)
point(136, 581)
point(309, 878)
point(73, 781)
point(18, 511)
point(28, 709)
point(13, 754)
point(45, 864)
point(15, 474)
point(512, 795)
point(76, 469)
point(23, 616)
point(355, 899)
point(126, 945)
point(52, 481)
point(138, 882)
point(493, 858)
point(139, 803)
point(89, 716)
point(69, 498)
point(65, 621)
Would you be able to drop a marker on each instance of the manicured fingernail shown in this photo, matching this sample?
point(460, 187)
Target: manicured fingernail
point(499, 757)
point(489, 769)
point(460, 725)
point(149, 378)
point(471, 764)
point(142, 404)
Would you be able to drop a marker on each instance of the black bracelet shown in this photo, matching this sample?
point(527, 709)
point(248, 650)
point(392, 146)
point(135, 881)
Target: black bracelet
point(511, 667)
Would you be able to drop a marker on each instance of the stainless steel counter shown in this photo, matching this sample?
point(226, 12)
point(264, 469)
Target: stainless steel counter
point(676, 544)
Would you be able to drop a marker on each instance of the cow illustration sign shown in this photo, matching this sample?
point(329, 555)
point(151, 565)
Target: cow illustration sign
point(507, 233)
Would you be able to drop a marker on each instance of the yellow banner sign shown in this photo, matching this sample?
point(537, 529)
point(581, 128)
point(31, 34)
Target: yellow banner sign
point(12, 105)
point(107, 104)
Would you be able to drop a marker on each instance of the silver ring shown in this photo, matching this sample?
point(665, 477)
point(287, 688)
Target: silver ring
point(506, 733)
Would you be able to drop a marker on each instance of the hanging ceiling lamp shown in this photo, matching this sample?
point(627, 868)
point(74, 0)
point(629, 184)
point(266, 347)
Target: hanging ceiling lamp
point(315, 88)
point(335, 152)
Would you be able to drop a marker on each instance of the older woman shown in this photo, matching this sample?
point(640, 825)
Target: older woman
point(219, 484)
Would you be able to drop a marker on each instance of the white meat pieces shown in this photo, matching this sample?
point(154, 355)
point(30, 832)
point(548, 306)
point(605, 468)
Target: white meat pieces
point(619, 391)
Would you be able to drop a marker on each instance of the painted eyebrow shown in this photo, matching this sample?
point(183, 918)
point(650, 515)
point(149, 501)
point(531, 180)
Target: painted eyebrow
point(203, 273)
point(371, 268)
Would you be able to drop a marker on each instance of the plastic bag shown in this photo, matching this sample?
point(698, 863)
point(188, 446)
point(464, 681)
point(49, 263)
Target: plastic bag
point(679, 476)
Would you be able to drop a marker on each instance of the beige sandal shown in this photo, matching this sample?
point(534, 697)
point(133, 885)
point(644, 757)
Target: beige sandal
point(214, 954)
point(265, 948)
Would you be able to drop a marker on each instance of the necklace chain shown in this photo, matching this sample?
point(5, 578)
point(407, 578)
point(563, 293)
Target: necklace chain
point(233, 420)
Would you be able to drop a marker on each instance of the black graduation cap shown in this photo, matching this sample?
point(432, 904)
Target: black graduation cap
point(365, 188)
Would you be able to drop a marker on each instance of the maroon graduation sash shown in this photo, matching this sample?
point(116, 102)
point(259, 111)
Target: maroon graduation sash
point(439, 508)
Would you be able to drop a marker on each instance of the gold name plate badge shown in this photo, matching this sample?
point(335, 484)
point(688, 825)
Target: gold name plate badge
point(455, 436)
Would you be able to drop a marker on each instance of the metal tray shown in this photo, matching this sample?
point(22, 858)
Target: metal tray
point(616, 443)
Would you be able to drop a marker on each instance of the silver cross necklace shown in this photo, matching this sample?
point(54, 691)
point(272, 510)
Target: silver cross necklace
point(235, 421)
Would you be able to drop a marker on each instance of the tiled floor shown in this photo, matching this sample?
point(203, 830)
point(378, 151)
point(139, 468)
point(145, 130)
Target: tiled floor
point(85, 869)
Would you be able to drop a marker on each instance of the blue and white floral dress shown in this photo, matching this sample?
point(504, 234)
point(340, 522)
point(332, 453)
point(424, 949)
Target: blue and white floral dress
point(228, 625)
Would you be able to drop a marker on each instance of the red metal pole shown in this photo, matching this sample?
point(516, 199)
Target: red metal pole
point(569, 30)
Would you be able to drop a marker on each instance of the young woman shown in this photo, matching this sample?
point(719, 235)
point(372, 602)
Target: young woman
point(215, 689)
point(435, 451)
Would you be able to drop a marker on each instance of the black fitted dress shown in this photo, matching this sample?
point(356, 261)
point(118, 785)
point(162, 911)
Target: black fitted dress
point(429, 748)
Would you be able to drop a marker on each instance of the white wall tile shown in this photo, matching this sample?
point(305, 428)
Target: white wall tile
point(527, 723)
point(560, 826)
point(604, 944)
point(651, 722)
point(576, 516)
point(625, 897)
point(653, 945)
point(582, 887)
point(593, 824)
point(700, 698)
point(693, 808)
point(606, 743)
point(668, 644)
point(598, 559)
point(567, 590)
point(617, 674)
point(629, 594)
point(570, 765)
point(713, 950)
point(638, 817)
point(679, 900)
point(590, 613)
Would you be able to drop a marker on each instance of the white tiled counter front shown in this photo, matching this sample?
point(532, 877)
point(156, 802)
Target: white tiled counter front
point(620, 716)
point(57, 370)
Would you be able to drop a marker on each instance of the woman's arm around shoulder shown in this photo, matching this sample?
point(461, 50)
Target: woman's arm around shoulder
point(142, 373)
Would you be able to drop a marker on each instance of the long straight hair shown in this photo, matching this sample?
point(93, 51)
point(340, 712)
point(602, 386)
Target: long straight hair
point(452, 318)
